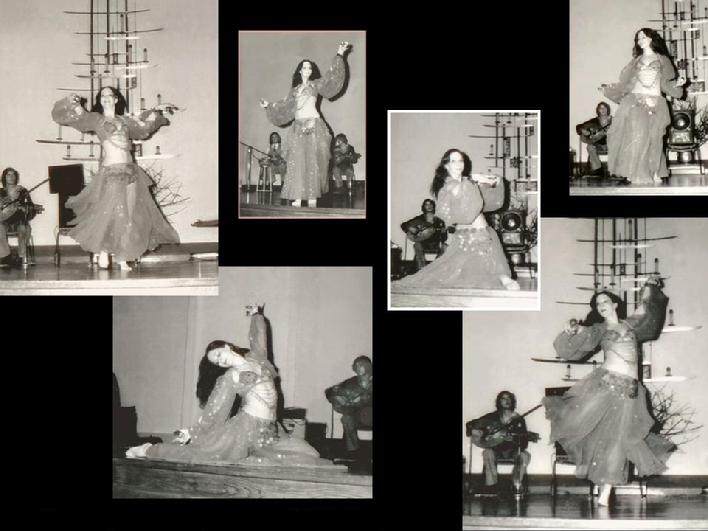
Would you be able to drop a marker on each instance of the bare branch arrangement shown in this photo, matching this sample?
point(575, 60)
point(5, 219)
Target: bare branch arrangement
point(673, 420)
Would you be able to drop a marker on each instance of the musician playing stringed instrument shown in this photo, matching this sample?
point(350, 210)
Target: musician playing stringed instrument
point(502, 434)
point(353, 398)
point(427, 232)
point(594, 134)
point(16, 211)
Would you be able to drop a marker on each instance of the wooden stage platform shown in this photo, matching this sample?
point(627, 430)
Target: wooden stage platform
point(676, 185)
point(474, 299)
point(171, 270)
point(153, 478)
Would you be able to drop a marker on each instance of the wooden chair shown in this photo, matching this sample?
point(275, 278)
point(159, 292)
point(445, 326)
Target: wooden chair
point(29, 258)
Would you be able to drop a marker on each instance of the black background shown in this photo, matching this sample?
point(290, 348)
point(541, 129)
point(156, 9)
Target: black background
point(484, 56)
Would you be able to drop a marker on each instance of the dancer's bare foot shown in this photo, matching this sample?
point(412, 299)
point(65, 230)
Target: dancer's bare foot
point(138, 451)
point(124, 266)
point(312, 203)
point(103, 260)
point(509, 283)
point(604, 497)
point(296, 203)
point(657, 179)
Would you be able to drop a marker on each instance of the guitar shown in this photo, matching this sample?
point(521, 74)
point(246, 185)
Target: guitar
point(590, 133)
point(8, 207)
point(494, 432)
point(422, 235)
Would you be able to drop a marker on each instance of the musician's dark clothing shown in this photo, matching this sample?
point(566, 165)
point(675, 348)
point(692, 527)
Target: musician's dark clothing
point(357, 411)
point(504, 450)
point(516, 427)
point(597, 147)
point(433, 244)
point(592, 123)
point(17, 222)
point(343, 159)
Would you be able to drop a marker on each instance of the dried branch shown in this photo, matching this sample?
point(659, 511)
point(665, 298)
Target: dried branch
point(673, 421)
point(167, 191)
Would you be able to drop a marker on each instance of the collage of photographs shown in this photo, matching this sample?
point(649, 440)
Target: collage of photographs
point(206, 193)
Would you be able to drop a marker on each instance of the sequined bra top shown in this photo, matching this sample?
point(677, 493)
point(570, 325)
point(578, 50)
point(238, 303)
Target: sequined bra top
point(116, 145)
point(306, 102)
point(622, 343)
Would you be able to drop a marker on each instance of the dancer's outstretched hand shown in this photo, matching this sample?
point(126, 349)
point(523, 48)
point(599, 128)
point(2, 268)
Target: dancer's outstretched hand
point(182, 436)
point(654, 280)
point(342, 47)
point(571, 327)
point(264, 103)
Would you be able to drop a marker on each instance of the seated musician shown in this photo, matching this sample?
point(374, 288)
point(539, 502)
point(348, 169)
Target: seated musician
point(594, 134)
point(344, 156)
point(16, 211)
point(353, 398)
point(507, 443)
point(427, 232)
point(274, 160)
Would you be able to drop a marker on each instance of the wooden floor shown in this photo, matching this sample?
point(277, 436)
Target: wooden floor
point(152, 478)
point(675, 185)
point(474, 299)
point(541, 511)
point(672, 502)
point(168, 272)
point(269, 205)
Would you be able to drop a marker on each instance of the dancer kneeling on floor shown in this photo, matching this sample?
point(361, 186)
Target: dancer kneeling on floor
point(250, 435)
point(474, 257)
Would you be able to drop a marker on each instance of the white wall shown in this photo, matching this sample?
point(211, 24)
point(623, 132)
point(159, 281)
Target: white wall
point(498, 345)
point(320, 319)
point(417, 143)
point(267, 61)
point(37, 47)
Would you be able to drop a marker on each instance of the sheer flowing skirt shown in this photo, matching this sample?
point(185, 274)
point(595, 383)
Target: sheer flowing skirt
point(245, 439)
point(603, 422)
point(307, 151)
point(474, 258)
point(117, 213)
point(635, 140)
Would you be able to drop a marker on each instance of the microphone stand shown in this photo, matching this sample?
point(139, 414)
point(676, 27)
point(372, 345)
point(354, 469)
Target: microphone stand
point(249, 161)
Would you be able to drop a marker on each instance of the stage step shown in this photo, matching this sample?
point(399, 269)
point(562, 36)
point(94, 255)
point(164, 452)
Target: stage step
point(152, 478)
point(478, 299)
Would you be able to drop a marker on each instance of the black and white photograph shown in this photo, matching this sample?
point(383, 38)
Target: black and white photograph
point(265, 391)
point(110, 160)
point(464, 209)
point(591, 412)
point(638, 97)
point(211, 184)
point(302, 124)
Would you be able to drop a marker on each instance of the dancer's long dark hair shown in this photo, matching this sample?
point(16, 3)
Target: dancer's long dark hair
point(658, 44)
point(441, 172)
point(297, 77)
point(209, 373)
point(594, 317)
point(120, 101)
